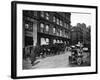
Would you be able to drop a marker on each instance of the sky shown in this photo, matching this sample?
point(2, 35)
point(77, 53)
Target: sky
point(80, 18)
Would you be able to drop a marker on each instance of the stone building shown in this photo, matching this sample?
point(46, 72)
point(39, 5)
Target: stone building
point(81, 33)
point(76, 35)
point(44, 28)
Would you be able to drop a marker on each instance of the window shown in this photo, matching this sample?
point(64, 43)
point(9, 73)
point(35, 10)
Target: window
point(35, 13)
point(29, 26)
point(65, 42)
point(57, 21)
point(57, 32)
point(43, 42)
point(47, 16)
point(41, 27)
point(58, 41)
point(26, 26)
point(54, 19)
point(54, 41)
point(47, 28)
point(47, 41)
point(61, 23)
point(61, 41)
point(54, 30)
point(60, 33)
point(42, 14)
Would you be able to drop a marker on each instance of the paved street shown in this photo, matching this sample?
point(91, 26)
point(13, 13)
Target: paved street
point(57, 61)
point(53, 62)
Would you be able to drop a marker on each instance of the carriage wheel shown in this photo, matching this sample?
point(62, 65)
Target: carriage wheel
point(79, 61)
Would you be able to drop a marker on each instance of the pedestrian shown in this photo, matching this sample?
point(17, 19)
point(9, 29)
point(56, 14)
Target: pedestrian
point(27, 52)
point(33, 54)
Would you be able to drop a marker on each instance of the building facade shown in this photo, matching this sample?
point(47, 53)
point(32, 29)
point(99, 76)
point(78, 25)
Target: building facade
point(44, 28)
point(81, 33)
point(76, 35)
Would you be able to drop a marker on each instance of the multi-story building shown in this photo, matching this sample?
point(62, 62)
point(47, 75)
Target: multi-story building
point(44, 28)
point(76, 35)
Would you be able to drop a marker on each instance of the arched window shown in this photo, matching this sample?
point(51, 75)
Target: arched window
point(58, 41)
point(57, 21)
point(41, 27)
point(47, 41)
point(61, 23)
point(57, 32)
point(47, 28)
point(54, 19)
point(54, 30)
point(47, 16)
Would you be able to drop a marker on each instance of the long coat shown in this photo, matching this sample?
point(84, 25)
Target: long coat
point(34, 53)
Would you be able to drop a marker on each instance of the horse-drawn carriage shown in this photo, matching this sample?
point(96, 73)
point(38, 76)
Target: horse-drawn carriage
point(76, 55)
